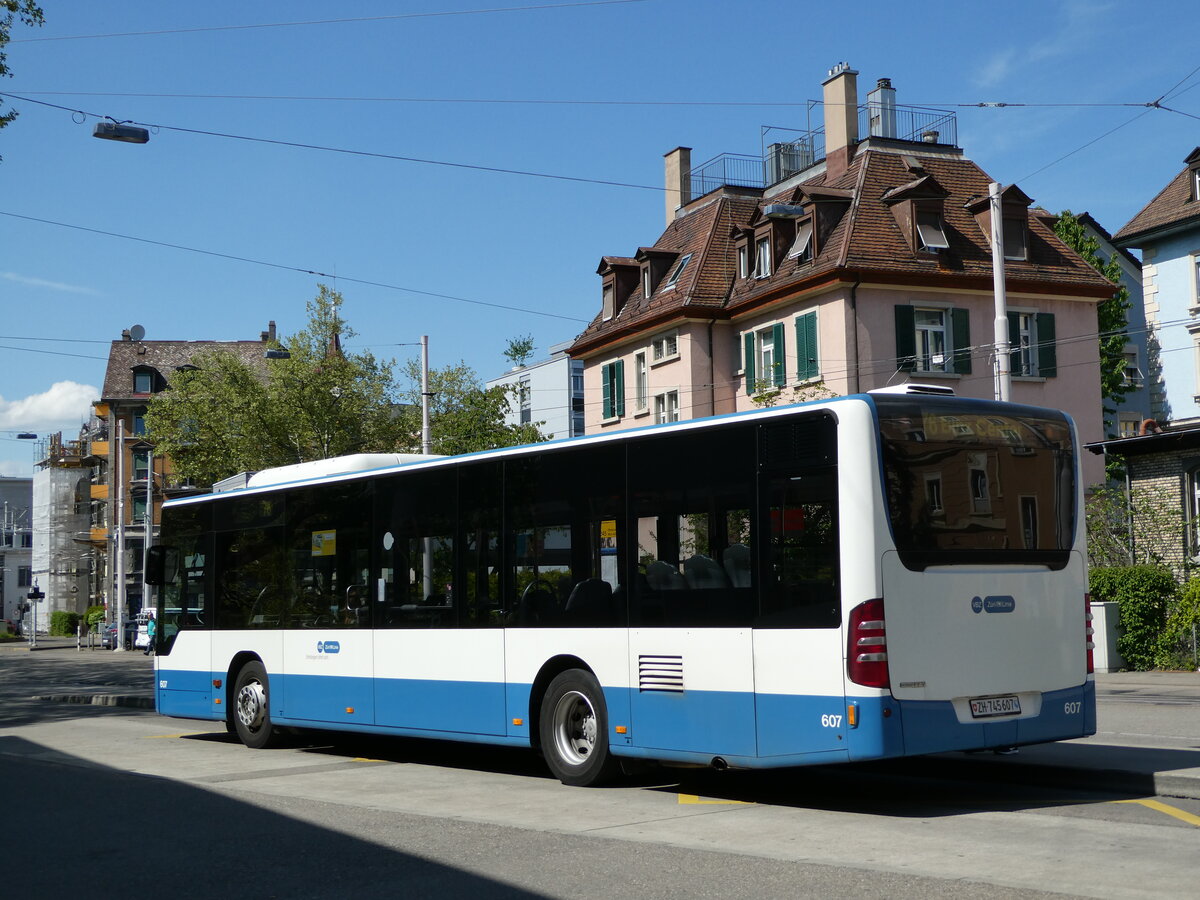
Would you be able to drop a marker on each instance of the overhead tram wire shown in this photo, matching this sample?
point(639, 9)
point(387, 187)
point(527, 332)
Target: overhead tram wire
point(365, 153)
point(426, 15)
point(287, 268)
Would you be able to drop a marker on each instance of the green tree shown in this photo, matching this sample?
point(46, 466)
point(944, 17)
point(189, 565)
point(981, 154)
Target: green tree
point(1111, 314)
point(227, 416)
point(519, 350)
point(28, 13)
point(464, 416)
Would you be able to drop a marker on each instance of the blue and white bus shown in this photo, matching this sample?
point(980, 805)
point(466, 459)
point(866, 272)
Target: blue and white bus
point(879, 575)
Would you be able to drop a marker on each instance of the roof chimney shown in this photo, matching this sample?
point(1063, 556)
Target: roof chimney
point(881, 109)
point(678, 179)
point(841, 117)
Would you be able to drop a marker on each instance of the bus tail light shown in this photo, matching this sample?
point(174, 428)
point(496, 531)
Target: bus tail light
point(866, 653)
point(1089, 635)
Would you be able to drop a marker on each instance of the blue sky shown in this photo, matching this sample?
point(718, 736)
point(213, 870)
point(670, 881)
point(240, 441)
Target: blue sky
point(638, 78)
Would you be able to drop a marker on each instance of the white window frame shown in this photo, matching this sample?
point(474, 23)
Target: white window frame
point(666, 407)
point(1027, 345)
point(931, 232)
point(801, 248)
point(606, 301)
point(678, 270)
point(641, 382)
point(933, 494)
point(764, 354)
point(743, 253)
point(647, 282)
point(665, 347)
point(762, 257)
point(925, 341)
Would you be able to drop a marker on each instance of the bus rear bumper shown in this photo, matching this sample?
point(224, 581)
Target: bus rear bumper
point(935, 727)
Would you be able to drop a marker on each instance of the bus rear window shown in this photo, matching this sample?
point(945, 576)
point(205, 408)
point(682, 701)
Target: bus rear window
point(970, 482)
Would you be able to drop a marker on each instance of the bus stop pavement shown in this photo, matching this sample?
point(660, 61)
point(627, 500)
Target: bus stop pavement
point(1147, 740)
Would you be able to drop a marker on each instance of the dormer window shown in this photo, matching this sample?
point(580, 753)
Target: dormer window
point(144, 380)
point(931, 236)
point(608, 301)
point(743, 254)
point(683, 264)
point(1015, 238)
point(647, 282)
point(1196, 183)
point(802, 246)
point(762, 257)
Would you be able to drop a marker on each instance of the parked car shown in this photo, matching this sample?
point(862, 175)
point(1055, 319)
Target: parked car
point(108, 635)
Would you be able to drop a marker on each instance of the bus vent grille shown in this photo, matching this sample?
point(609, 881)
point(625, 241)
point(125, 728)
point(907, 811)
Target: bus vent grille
point(660, 673)
point(810, 441)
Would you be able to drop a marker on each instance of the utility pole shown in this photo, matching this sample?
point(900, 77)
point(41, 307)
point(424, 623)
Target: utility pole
point(119, 542)
point(1003, 375)
point(426, 438)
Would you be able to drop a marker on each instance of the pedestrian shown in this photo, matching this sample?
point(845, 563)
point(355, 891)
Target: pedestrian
point(150, 633)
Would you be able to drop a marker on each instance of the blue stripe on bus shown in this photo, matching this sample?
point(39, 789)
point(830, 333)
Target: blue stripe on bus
point(769, 730)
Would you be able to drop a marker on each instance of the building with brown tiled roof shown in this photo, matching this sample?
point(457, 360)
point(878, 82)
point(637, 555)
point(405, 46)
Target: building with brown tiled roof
point(1167, 231)
point(861, 264)
point(129, 481)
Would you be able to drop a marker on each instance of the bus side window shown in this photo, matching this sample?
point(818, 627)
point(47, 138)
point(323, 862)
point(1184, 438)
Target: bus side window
point(802, 571)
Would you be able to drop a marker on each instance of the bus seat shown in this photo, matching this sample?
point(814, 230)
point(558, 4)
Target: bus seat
point(703, 572)
point(590, 601)
point(662, 576)
point(737, 565)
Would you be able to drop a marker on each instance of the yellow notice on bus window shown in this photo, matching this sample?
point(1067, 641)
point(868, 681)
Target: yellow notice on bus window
point(608, 536)
point(324, 543)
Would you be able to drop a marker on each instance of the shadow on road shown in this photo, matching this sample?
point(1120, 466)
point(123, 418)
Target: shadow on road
point(109, 834)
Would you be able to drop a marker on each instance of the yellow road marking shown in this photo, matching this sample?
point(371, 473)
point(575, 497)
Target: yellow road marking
point(707, 801)
point(366, 759)
point(1159, 806)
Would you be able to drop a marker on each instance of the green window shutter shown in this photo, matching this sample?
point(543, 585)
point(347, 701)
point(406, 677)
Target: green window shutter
point(779, 376)
point(961, 323)
point(906, 338)
point(619, 388)
point(1047, 352)
point(749, 363)
point(1014, 340)
point(806, 347)
point(606, 389)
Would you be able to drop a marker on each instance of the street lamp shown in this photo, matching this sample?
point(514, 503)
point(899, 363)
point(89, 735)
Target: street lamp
point(112, 130)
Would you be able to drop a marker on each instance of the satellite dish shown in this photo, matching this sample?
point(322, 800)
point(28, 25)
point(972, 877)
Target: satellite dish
point(137, 332)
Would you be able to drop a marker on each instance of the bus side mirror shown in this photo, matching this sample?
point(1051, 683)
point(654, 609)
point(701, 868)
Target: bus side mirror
point(162, 565)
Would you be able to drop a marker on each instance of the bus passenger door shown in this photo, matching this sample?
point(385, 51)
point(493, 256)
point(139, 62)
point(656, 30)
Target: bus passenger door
point(798, 652)
point(328, 654)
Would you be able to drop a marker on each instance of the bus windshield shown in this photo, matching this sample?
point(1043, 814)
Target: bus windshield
point(971, 483)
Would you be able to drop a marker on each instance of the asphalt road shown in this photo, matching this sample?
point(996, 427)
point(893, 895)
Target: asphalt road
point(100, 801)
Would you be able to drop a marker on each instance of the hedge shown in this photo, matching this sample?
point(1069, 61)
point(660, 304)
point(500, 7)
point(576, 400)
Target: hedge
point(1143, 594)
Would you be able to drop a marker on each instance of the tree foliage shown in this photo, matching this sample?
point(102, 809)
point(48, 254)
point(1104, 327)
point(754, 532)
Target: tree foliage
point(1111, 314)
point(228, 416)
point(28, 13)
point(1143, 595)
point(464, 416)
point(1141, 529)
point(519, 350)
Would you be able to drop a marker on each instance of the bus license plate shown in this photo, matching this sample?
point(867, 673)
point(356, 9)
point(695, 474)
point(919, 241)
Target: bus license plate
point(985, 707)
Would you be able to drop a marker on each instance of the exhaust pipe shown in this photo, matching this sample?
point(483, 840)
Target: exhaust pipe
point(719, 764)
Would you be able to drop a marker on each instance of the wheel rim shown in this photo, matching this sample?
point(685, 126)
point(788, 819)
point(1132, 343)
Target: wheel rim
point(252, 704)
point(574, 728)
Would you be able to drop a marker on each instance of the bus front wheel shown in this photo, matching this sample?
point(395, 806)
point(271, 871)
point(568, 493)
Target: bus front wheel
point(251, 710)
point(574, 730)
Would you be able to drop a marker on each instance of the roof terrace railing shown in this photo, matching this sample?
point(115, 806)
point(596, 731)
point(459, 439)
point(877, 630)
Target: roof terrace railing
point(782, 159)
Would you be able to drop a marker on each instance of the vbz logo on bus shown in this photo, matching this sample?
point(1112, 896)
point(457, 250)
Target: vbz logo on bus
point(328, 647)
point(998, 604)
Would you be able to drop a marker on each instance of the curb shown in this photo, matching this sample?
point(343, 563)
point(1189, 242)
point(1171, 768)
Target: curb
point(99, 700)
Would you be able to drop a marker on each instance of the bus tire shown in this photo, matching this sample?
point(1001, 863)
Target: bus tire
point(251, 707)
point(574, 730)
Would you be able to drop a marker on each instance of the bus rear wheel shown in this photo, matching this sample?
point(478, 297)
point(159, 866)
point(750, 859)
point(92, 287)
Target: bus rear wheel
point(251, 707)
point(574, 730)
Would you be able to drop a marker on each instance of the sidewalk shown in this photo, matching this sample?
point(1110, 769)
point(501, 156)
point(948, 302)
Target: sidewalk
point(1147, 740)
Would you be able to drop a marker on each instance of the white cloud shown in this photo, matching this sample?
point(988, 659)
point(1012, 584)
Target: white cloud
point(66, 405)
point(30, 281)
